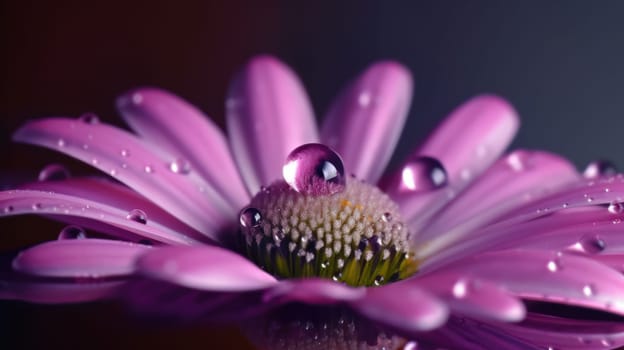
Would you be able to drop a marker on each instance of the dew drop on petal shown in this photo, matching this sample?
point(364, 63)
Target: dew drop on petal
point(124, 153)
point(8, 209)
point(60, 143)
point(314, 169)
point(615, 207)
point(606, 342)
point(72, 232)
point(250, 218)
point(517, 160)
point(180, 166)
point(589, 290)
point(137, 215)
point(148, 169)
point(460, 288)
point(423, 174)
point(386, 217)
point(53, 172)
point(599, 168)
point(89, 118)
point(590, 244)
point(412, 345)
point(37, 206)
point(553, 265)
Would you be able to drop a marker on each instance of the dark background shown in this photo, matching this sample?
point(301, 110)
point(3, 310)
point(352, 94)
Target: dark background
point(558, 62)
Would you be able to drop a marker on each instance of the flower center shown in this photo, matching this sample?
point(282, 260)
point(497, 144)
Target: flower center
point(319, 223)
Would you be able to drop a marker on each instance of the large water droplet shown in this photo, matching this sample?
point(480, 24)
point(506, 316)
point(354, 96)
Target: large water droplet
point(599, 168)
point(180, 166)
point(250, 218)
point(615, 207)
point(314, 169)
point(72, 232)
point(517, 160)
point(53, 172)
point(423, 174)
point(137, 215)
point(89, 118)
point(590, 244)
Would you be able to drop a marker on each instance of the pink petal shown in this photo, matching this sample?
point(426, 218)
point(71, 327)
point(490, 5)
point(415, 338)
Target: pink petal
point(113, 195)
point(563, 333)
point(77, 258)
point(54, 204)
point(268, 115)
point(472, 297)
point(467, 143)
point(364, 123)
point(545, 276)
point(206, 268)
point(402, 306)
point(183, 131)
point(510, 182)
point(312, 291)
point(58, 292)
point(132, 162)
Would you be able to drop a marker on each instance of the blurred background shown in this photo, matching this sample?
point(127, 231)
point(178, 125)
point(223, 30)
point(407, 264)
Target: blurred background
point(558, 62)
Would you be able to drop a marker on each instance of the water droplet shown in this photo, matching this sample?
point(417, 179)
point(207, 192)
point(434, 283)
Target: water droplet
point(599, 168)
point(89, 118)
point(137, 215)
point(589, 290)
point(379, 280)
point(85, 147)
point(278, 236)
point(386, 217)
point(314, 169)
point(606, 342)
point(615, 207)
point(423, 174)
point(180, 166)
point(72, 232)
point(148, 169)
point(460, 288)
point(53, 172)
point(124, 153)
point(337, 276)
point(137, 98)
point(517, 160)
point(60, 143)
point(553, 265)
point(8, 209)
point(590, 244)
point(250, 218)
point(412, 345)
point(364, 99)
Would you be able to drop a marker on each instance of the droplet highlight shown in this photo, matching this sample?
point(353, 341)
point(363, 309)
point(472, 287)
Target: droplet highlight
point(137, 215)
point(72, 232)
point(180, 166)
point(314, 169)
point(423, 174)
point(599, 168)
point(53, 172)
point(250, 218)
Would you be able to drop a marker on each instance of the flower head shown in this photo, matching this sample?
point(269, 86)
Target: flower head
point(293, 232)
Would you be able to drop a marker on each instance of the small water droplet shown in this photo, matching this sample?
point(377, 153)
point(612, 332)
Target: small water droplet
point(85, 146)
point(180, 166)
point(72, 232)
point(386, 217)
point(460, 288)
point(137, 215)
point(364, 99)
point(412, 345)
point(606, 342)
point(60, 143)
point(149, 169)
point(94, 161)
point(278, 236)
point(37, 206)
point(8, 209)
point(314, 169)
point(53, 172)
point(89, 118)
point(517, 160)
point(113, 172)
point(615, 207)
point(124, 153)
point(423, 174)
point(589, 290)
point(599, 168)
point(250, 218)
point(337, 276)
point(590, 244)
point(379, 280)
point(565, 205)
point(553, 265)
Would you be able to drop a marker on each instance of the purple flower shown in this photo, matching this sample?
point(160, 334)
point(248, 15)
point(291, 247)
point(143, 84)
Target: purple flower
point(294, 234)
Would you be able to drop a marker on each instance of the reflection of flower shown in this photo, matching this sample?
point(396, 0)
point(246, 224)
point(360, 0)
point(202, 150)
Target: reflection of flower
point(464, 249)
